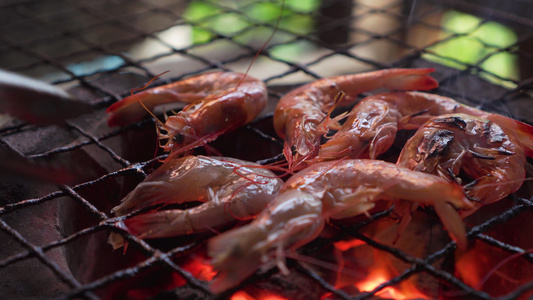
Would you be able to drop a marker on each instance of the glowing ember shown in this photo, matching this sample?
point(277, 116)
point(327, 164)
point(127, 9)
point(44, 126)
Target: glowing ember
point(198, 266)
point(203, 271)
point(373, 282)
point(345, 245)
point(405, 290)
point(375, 268)
point(266, 296)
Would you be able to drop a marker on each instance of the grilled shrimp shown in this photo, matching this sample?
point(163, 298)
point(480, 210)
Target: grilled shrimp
point(369, 131)
point(522, 131)
point(218, 102)
point(336, 189)
point(300, 116)
point(372, 125)
point(449, 144)
point(231, 189)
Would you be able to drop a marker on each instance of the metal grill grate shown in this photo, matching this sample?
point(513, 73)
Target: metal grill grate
point(101, 49)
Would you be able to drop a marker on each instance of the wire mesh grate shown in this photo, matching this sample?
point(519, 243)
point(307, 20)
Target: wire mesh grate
point(100, 50)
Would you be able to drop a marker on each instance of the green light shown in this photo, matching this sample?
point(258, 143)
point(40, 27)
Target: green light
point(477, 43)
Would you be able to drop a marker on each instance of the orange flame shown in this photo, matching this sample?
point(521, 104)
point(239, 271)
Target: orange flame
point(201, 269)
point(266, 296)
point(377, 268)
point(404, 290)
point(197, 267)
point(345, 245)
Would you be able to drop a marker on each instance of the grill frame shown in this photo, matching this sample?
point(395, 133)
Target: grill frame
point(101, 87)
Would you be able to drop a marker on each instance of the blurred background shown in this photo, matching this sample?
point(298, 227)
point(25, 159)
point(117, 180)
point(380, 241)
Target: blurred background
point(64, 41)
point(68, 43)
point(99, 50)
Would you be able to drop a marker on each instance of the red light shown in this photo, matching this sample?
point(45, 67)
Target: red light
point(264, 296)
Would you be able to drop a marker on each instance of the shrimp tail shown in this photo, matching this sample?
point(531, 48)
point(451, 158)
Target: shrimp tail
point(416, 79)
point(236, 255)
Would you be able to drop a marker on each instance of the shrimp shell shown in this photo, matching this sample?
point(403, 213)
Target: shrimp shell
point(447, 144)
point(218, 102)
point(300, 116)
point(337, 189)
point(439, 105)
point(372, 125)
point(231, 189)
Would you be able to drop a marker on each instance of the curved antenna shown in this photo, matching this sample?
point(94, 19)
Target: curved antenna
point(143, 88)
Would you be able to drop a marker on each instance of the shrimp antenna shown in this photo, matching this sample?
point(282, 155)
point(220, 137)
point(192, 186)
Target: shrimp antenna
point(276, 27)
point(150, 112)
point(500, 264)
point(143, 88)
